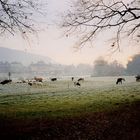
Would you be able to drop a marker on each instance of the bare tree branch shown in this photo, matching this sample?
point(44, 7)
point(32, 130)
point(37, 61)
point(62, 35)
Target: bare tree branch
point(98, 15)
point(19, 15)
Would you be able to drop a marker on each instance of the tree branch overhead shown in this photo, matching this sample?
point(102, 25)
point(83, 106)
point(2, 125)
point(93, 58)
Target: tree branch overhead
point(99, 15)
point(18, 15)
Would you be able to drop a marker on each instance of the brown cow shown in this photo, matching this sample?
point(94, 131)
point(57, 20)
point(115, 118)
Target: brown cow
point(38, 79)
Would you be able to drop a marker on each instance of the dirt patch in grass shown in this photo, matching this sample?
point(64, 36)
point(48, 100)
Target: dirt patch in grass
point(120, 124)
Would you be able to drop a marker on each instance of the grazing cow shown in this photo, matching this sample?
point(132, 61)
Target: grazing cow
point(19, 82)
point(5, 82)
point(23, 81)
point(35, 83)
point(77, 84)
point(119, 80)
point(53, 79)
point(138, 78)
point(80, 79)
point(72, 78)
point(38, 79)
point(30, 84)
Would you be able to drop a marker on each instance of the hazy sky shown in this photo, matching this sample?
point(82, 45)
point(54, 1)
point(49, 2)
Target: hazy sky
point(51, 42)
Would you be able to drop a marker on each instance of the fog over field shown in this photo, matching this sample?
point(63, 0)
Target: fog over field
point(31, 65)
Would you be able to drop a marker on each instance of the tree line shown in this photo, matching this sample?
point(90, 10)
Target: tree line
point(100, 68)
point(103, 68)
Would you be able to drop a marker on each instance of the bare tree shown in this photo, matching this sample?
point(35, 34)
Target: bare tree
point(93, 16)
point(19, 15)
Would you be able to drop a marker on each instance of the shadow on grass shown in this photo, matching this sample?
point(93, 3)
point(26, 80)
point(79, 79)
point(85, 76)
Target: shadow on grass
point(119, 124)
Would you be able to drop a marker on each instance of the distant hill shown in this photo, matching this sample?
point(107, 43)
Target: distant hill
point(12, 55)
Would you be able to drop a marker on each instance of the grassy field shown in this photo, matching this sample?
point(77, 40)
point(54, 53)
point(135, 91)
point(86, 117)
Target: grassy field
point(61, 100)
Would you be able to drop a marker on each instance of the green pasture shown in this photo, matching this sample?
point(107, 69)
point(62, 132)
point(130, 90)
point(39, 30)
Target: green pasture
point(62, 99)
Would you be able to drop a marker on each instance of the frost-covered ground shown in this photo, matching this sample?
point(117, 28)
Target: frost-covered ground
point(65, 83)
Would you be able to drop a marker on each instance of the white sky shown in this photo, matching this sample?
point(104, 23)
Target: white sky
point(53, 44)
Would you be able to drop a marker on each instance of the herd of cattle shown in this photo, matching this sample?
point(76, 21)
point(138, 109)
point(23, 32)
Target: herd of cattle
point(36, 80)
point(39, 81)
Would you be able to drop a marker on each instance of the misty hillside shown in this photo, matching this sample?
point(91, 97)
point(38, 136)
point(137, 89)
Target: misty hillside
point(25, 58)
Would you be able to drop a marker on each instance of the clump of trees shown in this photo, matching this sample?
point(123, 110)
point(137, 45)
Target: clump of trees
point(133, 66)
point(103, 68)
